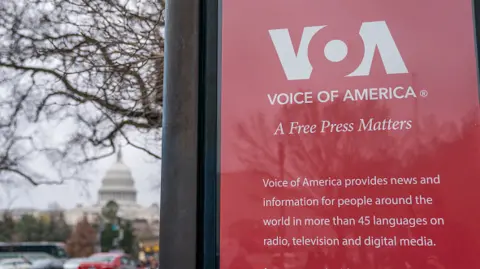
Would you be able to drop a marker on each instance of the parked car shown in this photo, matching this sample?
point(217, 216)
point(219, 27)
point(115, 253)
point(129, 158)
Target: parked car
point(9, 255)
point(55, 249)
point(14, 263)
point(47, 264)
point(30, 256)
point(35, 256)
point(73, 263)
point(109, 261)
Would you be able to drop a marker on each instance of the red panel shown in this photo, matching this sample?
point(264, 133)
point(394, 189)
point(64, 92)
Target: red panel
point(432, 133)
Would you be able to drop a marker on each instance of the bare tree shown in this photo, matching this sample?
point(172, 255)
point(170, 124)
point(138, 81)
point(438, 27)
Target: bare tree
point(77, 77)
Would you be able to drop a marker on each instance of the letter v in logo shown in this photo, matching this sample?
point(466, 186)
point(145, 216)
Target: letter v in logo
point(295, 65)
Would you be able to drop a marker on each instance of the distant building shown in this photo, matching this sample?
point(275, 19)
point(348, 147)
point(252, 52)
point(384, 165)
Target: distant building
point(118, 185)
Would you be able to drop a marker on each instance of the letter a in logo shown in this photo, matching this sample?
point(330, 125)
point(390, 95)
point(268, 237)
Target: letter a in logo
point(376, 34)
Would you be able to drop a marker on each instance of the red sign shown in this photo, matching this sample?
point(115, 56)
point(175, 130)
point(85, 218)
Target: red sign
point(349, 135)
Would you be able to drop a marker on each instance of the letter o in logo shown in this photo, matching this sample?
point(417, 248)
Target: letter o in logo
point(335, 51)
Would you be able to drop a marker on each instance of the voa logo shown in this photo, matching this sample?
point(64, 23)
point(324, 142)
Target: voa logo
point(297, 66)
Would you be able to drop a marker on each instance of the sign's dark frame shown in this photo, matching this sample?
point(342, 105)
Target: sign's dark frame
point(189, 228)
point(476, 24)
point(209, 134)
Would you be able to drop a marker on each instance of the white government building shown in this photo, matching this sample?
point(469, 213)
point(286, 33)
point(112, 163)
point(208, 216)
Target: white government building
point(117, 185)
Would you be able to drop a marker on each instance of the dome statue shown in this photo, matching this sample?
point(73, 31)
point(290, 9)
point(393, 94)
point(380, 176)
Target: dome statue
point(118, 185)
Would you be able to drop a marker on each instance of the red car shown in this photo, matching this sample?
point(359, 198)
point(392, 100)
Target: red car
point(108, 261)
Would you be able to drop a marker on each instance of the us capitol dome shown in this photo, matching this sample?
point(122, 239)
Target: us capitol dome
point(118, 185)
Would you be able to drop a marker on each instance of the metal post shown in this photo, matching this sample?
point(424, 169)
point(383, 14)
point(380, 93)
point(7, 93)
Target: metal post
point(178, 227)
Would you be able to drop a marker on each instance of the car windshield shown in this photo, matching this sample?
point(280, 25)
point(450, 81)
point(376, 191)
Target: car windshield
point(101, 258)
point(8, 255)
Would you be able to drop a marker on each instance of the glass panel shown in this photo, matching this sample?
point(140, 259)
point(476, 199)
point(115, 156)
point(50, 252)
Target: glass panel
point(350, 138)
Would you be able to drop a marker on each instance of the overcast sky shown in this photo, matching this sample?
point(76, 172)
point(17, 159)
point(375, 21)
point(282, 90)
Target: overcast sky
point(145, 174)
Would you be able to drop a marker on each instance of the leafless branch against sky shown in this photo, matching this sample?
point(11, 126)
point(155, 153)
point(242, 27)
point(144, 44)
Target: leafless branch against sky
point(90, 68)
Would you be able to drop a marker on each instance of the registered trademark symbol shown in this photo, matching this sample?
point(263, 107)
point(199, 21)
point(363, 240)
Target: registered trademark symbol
point(423, 93)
